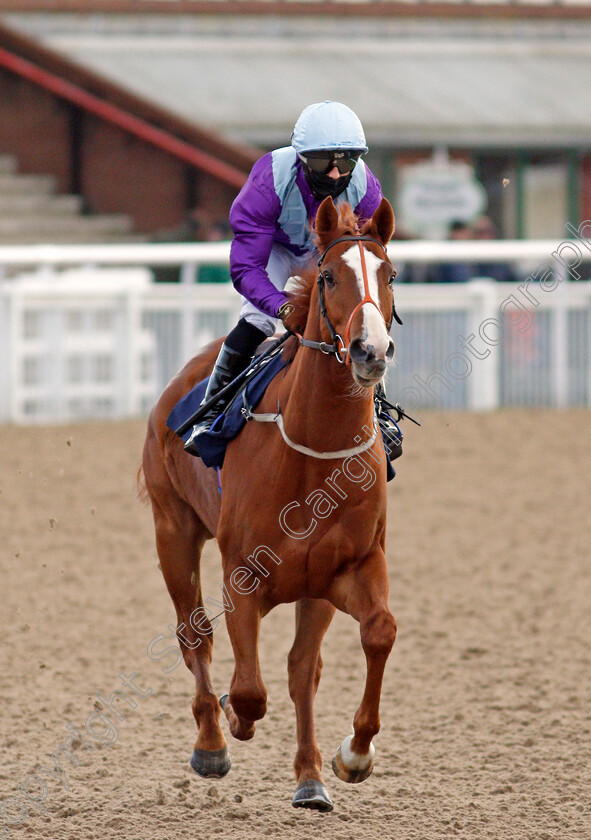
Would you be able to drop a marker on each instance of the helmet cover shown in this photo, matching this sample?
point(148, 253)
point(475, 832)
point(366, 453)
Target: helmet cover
point(328, 126)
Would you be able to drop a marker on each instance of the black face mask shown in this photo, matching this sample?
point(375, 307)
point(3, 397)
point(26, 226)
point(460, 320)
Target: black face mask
point(322, 186)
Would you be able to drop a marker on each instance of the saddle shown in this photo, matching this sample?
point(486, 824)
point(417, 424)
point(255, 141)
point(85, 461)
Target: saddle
point(234, 415)
point(231, 419)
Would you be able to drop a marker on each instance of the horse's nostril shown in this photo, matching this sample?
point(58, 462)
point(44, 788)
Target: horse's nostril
point(357, 351)
point(366, 354)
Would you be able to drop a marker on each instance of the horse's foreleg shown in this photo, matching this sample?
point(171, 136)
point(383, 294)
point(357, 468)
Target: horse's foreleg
point(304, 668)
point(247, 700)
point(179, 540)
point(363, 593)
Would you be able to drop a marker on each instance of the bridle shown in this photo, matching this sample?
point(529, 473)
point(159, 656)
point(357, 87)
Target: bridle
point(340, 346)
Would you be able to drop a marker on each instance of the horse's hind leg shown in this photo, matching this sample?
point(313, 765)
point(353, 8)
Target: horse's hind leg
point(363, 593)
point(180, 536)
point(304, 668)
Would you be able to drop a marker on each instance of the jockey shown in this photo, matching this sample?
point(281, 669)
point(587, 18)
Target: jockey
point(272, 220)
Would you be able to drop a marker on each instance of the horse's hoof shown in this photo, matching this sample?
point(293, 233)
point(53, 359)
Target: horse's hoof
point(312, 794)
point(211, 764)
point(223, 700)
point(349, 766)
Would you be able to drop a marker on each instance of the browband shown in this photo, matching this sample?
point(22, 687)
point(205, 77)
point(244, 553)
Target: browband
point(351, 238)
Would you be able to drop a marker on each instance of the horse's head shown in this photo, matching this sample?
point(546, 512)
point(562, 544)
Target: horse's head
point(355, 287)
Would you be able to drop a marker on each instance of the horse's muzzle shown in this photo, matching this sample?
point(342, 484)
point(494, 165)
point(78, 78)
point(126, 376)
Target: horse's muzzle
point(369, 367)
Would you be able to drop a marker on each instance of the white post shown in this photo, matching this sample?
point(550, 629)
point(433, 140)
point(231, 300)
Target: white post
point(55, 385)
point(129, 407)
point(483, 386)
point(559, 339)
point(14, 319)
point(188, 280)
point(5, 344)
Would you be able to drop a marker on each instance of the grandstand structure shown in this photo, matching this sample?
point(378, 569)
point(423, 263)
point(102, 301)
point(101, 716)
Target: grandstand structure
point(135, 169)
point(508, 8)
point(157, 109)
point(124, 118)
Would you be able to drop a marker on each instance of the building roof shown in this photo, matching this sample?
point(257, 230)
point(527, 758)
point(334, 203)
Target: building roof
point(413, 83)
point(379, 8)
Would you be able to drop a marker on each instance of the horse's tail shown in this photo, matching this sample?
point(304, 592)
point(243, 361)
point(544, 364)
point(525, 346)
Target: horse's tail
point(140, 483)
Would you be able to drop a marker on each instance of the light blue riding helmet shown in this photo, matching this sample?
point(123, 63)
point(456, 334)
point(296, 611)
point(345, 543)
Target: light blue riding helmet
point(328, 126)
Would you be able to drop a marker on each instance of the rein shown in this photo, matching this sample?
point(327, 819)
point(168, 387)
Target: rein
point(340, 344)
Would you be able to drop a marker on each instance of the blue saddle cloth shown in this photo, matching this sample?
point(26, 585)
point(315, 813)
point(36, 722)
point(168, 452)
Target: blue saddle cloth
point(212, 444)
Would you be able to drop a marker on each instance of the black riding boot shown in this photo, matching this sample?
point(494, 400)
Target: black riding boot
point(391, 433)
point(229, 364)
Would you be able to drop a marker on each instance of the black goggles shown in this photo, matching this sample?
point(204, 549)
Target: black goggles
point(324, 162)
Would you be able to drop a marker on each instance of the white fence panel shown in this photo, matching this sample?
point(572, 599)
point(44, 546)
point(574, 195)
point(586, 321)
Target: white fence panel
point(101, 348)
point(484, 344)
point(102, 341)
point(74, 348)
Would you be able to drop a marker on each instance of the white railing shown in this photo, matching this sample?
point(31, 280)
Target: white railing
point(86, 333)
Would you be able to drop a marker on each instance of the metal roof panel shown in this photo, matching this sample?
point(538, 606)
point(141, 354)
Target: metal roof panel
point(405, 89)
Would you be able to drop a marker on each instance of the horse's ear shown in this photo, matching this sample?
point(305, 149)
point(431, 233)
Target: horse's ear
point(327, 219)
point(381, 224)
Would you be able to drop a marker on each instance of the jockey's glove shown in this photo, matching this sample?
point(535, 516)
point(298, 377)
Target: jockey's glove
point(284, 311)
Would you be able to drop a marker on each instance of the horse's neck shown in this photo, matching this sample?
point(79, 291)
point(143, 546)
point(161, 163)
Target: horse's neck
point(322, 406)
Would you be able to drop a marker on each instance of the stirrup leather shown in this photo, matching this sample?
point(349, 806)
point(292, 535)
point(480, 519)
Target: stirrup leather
point(229, 364)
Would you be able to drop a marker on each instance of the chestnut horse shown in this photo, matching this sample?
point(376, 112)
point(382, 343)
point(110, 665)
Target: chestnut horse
point(302, 511)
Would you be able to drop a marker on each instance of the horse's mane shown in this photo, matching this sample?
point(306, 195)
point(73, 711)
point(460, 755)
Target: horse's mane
point(300, 296)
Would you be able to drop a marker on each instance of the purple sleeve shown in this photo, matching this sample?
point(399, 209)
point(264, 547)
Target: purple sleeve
point(371, 200)
point(253, 218)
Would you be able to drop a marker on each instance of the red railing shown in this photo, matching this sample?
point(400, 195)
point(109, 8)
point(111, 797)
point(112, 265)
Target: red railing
point(118, 116)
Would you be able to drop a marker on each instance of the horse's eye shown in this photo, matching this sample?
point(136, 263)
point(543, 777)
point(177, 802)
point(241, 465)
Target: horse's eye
point(392, 278)
point(328, 279)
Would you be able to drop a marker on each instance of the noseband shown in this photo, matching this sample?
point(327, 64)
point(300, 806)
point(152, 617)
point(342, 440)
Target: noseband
point(340, 344)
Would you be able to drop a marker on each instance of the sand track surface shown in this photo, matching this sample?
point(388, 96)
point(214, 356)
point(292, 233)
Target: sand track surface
point(486, 708)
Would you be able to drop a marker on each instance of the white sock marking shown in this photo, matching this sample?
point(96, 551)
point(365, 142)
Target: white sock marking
point(351, 760)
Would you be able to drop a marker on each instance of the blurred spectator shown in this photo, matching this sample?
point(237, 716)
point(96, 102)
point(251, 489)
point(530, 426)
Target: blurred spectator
point(411, 272)
point(484, 229)
point(198, 226)
point(206, 228)
point(455, 272)
point(459, 231)
point(209, 229)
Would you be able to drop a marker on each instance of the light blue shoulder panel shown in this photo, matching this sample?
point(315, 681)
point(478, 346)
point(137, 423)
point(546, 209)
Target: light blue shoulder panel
point(357, 186)
point(293, 217)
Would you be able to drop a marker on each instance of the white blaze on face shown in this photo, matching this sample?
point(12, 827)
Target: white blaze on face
point(374, 332)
